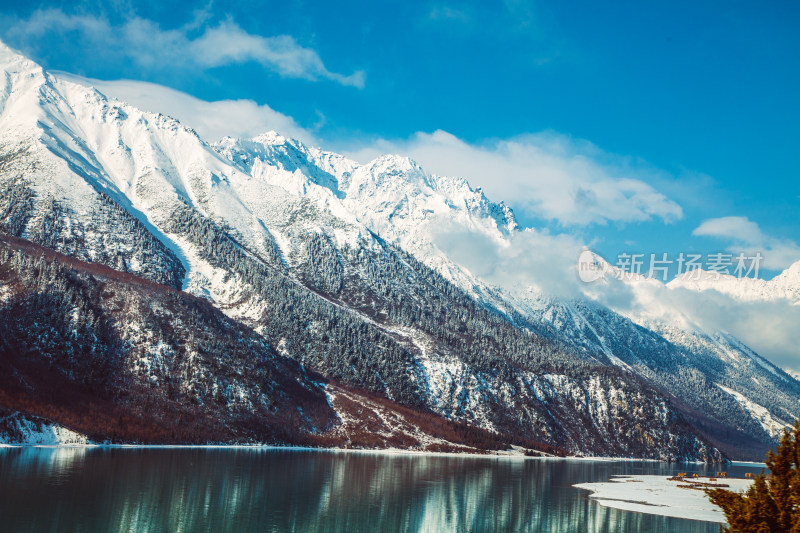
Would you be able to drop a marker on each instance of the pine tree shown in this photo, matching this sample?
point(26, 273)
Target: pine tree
point(772, 503)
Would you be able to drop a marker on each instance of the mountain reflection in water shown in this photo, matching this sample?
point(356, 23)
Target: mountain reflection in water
point(210, 489)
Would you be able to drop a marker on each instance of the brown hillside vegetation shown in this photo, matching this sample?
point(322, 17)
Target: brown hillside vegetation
point(125, 360)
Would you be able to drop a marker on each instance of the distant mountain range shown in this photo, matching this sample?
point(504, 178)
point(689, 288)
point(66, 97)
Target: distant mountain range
point(155, 287)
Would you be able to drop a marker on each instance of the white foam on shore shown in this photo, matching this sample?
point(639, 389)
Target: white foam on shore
point(660, 496)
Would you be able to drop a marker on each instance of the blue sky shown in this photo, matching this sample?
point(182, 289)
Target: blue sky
point(636, 126)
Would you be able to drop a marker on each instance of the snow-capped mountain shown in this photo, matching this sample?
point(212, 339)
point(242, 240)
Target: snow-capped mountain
point(331, 278)
point(392, 196)
point(785, 285)
point(395, 198)
point(710, 358)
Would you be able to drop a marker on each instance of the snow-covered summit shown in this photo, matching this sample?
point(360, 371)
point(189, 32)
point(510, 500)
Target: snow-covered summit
point(12, 61)
point(785, 285)
point(788, 282)
point(392, 194)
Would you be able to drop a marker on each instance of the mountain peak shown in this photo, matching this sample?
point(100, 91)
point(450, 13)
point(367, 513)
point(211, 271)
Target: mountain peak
point(13, 61)
point(393, 163)
point(269, 138)
point(7, 51)
point(790, 276)
point(786, 285)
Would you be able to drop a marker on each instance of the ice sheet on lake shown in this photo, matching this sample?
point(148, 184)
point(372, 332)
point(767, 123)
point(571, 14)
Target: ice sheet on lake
point(657, 495)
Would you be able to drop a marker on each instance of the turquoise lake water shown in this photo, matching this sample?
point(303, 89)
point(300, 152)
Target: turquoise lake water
point(242, 490)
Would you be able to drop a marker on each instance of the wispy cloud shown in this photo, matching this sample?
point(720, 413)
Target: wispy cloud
point(441, 12)
point(742, 232)
point(228, 43)
point(539, 262)
point(195, 45)
point(768, 326)
point(212, 120)
point(546, 175)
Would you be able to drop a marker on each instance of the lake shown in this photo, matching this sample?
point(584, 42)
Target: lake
point(243, 489)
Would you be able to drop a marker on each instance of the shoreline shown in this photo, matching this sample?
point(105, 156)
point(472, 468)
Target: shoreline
point(517, 454)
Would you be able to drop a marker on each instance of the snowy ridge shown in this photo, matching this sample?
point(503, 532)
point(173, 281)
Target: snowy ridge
point(396, 199)
point(392, 196)
point(785, 285)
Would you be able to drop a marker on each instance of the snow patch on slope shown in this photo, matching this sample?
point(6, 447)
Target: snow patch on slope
point(773, 426)
point(17, 429)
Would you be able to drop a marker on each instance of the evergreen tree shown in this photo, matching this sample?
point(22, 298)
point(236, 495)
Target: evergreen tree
point(772, 503)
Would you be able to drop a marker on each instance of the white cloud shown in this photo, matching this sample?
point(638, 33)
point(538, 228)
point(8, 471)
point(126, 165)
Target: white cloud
point(538, 261)
point(744, 233)
point(768, 326)
point(545, 264)
point(211, 120)
point(228, 43)
point(144, 42)
point(739, 228)
point(547, 175)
